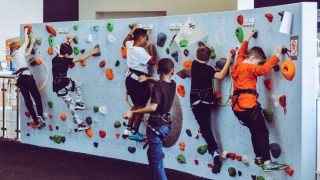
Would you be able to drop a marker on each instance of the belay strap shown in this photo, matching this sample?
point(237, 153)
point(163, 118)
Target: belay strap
point(238, 92)
point(164, 116)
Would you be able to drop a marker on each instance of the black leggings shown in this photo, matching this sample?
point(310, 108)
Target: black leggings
point(258, 129)
point(28, 86)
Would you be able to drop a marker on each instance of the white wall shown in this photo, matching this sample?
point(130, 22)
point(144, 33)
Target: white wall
point(245, 4)
point(16, 12)
point(88, 8)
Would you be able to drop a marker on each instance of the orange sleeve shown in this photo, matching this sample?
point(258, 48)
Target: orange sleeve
point(242, 52)
point(266, 67)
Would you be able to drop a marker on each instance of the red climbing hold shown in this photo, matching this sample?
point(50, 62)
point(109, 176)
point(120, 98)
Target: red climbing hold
point(32, 125)
point(218, 95)
point(102, 133)
point(269, 17)
point(50, 127)
point(181, 90)
point(27, 114)
point(268, 84)
point(29, 28)
point(102, 63)
point(240, 19)
point(233, 52)
point(50, 116)
point(51, 30)
point(117, 135)
point(210, 165)
point(231, 155)
point(289, 171)
point(196, 161)
point(181, 74)
point(238, 157)
point(282, 101)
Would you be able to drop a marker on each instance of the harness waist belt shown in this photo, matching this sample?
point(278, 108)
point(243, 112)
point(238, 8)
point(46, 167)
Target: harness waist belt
point(21, 70)
point(245, 91)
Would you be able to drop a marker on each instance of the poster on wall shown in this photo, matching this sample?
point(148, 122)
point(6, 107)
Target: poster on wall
point(294, 47)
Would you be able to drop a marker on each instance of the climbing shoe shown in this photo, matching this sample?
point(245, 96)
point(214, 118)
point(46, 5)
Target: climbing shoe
point(83, 126)
point(273, 166)
point(216, 157)
point(258, 161)
point(127, 132)
point(80, 106)
point(41, 123)
point(216, 168)
point(137, 137)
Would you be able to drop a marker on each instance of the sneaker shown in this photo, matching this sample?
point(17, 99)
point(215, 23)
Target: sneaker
point(137, 137)
point(41, 123)
point(127, 132)
point(80, 106)
point(259, 161)
point(273, 166)
point(83, 126)
point(216, 157)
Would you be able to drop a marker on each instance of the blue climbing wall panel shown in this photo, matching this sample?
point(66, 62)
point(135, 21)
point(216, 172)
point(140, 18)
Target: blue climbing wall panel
point(286, 130)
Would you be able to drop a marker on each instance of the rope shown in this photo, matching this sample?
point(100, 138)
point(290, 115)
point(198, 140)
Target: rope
point(230, 90)
point(127, 100)
point(47, 74)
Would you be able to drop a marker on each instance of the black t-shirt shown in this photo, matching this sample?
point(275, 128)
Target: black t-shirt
point(163, 94)
point(60, 65)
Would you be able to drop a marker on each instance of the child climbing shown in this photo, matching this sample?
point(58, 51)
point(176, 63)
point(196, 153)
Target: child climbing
point(25, 80)
point(63, 85)
point(137, 60)
point(159, 121)
point(202, 98)
point(244, 100)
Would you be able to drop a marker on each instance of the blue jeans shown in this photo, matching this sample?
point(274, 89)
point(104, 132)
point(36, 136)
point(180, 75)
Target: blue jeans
point(154, 152)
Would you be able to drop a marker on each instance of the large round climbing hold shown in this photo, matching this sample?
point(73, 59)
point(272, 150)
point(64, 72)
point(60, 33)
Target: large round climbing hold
point(89, 132)
point(102, 133)
point(202, 149)
point(232, 171)
point(51, 40)
point(161, 39)
point(239, 34)
point(117, 124)
point(110, 26)
point(181, 159)
point(275, 150)
point(131, 149)
point(76, 50)
point(63, 116)
point(181, 90)
point(288, 69)
point(109, 74)
point(187, 65)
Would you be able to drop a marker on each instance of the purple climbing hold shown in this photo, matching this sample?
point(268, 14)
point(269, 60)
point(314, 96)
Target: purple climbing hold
point(95, 144)
point(131, 149)
point(189, 132)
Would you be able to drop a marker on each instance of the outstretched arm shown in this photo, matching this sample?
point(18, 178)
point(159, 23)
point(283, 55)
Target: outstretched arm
point(220, 75)
point(26, 39)
point(143, 78)
point(84, 57)
point(33, 41)
point(268, 65)
point(129, 37)
point(244, 46)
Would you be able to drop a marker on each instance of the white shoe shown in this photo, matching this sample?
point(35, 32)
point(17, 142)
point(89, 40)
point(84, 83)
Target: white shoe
point(41, 123)
point(80, 106)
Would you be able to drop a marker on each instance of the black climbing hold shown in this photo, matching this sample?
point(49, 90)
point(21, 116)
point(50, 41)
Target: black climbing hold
point(117, 63)
point(82, 51)
point(131, 149)
point(63, 139)
point(32, 61)
point(28, 134)
point(275, 150)
point(95, 144)
point(163, 155)
point(189, 132)
point(200, 43)
point(186, 52)
point(124, 124)
point(98, 53)
point(33, 51)
point(175, 56)
point(75, 40)
point(28, 123)
point(276, 68)
point(75, 130)
point(124, 136)
point(161, 39)
point(284, 51)
point(89, 120)
point(239, 173)
point(254, 177)
point(57, 127)
point(255, 35)
point(50, 137)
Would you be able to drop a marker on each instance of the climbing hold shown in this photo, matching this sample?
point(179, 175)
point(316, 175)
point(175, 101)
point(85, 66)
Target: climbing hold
point(27, 114)
point(117, 124)
point(268, 114)
point(220, 64)
point(213, 53)
point(239, 173)
point(38, 61)
point(95, 109)
point(51, 40)
point(181, 90)
point(89, 120)
point(82, 51)
point(181, 74)
point(183, 43)
point(29, 27)
point(124, 123)
point(57, 127)
point(51, 30)
point(181, 159)
point(187, 65)
point(200, 43)
point(161, 39)
point(117, 135)
point(124, 52)
point(110, 26)
point(111, 38)
point(72, 65)
point(189, 132)
point(117, 63)
point(89, 132)
point(254, 177)
point(282, 102)
point(102, 133)
point(289, 171)
point(275, 150)
point(202, 149)
point(50, 104)
point(218, 96)
point(38, 41)
point(269, 17)
point(260, 178)
point(50, 127)
point(238, 157)
point(33, 51)
point(131, 149)
point(96, 28)
point(32, 125)
point(210, 165)
point(175, 56)
point(268, 84)
point(231, 155)
point(182, 146)
point(83, 63)
point(95, 144)
point(109, 74)
point(28, 134)
point(75, 40)
point(245, 160)
point(288, 69)
point(276, 68)
point(196, 161)
point(232, 171)
point(57, 138)
point(76, 27)
point(168, 50)
point(76, 50)
point(50, 116)
point(63, 139)
point(98, 53)
point(103, 110)
point(186, 52)
point(240, 19)
point(57, 49)
point(63, 116)
point(255, 35)
point(239, 34)
point(89, 38)
point(233, 52)
point(102, 63)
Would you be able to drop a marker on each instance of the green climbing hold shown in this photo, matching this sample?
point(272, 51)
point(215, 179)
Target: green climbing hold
point(202, 149)
point(181, 159)
point(96, 28)
point(268, 114)
point(260, 178)
point(168, 50)
point(183, 43)
point(239, 34)
point(57, 139)
point(117, 124)
point(232, 171)
point(51, 41)
point(213, 53)
point(38, 41)
point(76, 27)
point(95, 109)
point(76, 50)
point(110, 26)
point(50, 104)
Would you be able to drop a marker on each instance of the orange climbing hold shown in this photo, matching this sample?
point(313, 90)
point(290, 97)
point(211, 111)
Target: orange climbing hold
point(124, 52)
point(289, 171)
point(187, 65)
point(269, 17)
point(83, 63)
point(182, 146)
point(181, 90)
point(89, 132)
point(50, 50)
point(218, 95)
point(288, 69)
point(240, 19)
point(109, 74)
point(268, 84)
point(117, 135)
point(38, 61)
point(63, 116)
point(32, 125)
point(51, 30)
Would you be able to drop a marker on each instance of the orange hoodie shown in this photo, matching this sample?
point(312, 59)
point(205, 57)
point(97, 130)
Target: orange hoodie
point(245, 77)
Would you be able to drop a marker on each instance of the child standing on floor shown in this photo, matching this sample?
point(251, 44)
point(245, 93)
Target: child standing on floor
point(137, 60)
point(244, 101)
point(25, 80)
point(202, 98)
point(159, 121)
point(63, 86)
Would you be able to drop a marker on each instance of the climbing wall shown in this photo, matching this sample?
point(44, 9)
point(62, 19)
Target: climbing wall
point(287, 130)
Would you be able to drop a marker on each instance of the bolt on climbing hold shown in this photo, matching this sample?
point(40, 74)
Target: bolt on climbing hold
point(29, 27)
point(82, 51)
point(89, 38)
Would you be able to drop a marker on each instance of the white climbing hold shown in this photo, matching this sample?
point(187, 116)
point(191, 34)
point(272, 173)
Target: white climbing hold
point(111, 38)
point(103, 110)
point(57, 49)
point(224, 154)
point(275, 99)
point(89, 38)
point(245, 160)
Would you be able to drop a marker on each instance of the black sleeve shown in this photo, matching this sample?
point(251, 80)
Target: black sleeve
point(68, 61)
point(156, 94)
point(212, 71)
